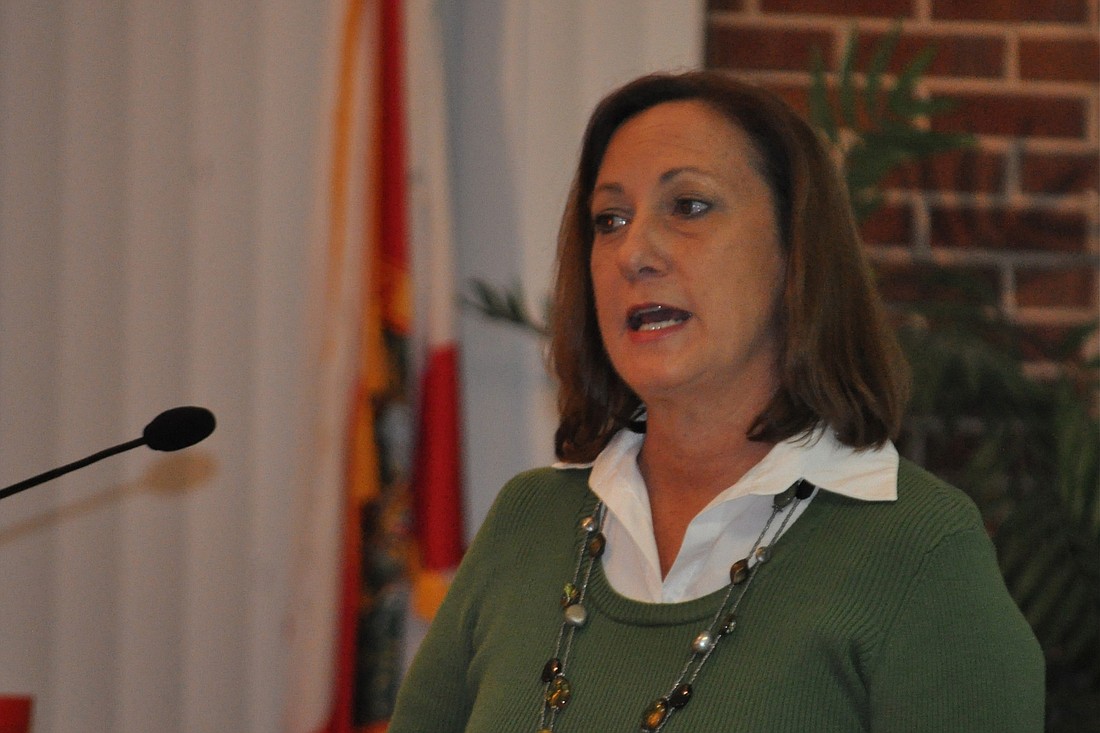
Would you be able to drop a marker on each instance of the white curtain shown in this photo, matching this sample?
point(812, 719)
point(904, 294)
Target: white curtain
point(159, 164)
point(156, 184)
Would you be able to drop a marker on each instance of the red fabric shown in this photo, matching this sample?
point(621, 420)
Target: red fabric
point(392, 198)
point(438, 479)
point(15, 713)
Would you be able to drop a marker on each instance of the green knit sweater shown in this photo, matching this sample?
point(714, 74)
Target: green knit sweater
point(868, 617)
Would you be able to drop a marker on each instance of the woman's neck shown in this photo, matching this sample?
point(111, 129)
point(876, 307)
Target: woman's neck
point(686, 462)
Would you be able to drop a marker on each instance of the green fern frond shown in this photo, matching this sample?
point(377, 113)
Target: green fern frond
point(820, 109)
point(901, 100)
point(506, 305)
point(845, 85)
point(880, 59)
point(891, 133)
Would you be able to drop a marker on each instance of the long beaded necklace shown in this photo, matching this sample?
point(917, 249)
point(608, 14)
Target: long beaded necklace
point(558, 690)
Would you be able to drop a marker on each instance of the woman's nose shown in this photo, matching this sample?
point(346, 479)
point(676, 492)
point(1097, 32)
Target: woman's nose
point(641, 251)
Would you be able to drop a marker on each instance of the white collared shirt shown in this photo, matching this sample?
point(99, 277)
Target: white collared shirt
point(726, 529)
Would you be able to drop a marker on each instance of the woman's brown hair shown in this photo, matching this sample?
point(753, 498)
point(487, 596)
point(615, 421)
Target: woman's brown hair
point(840, 364)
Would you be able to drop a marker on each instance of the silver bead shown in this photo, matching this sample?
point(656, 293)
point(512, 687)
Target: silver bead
point(703, 642)
point(763, 553)
point(576, 615)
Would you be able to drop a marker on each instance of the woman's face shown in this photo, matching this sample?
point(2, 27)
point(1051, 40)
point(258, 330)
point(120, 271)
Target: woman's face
point(686, 261)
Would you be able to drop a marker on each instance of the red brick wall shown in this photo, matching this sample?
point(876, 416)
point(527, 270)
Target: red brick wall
point(1022, 209)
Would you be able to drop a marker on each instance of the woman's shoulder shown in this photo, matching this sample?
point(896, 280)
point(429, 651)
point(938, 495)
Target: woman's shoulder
point(922, 495)
point(927, 510)
point(541, 495)
point(546, 483)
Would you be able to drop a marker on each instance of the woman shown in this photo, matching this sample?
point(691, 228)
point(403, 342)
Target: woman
point(730, 541)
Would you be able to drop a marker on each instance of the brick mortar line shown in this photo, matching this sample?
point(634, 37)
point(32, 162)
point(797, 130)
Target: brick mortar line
point(922, 229)
point(1033, 315)
point(1094, 224)
point(794, 21)
point(961, 28)
point(904, 254)
point(1044, 370)
point(1012, 169)
point(922, 11)
point(1092, 124)
point(1008, 290)
point(1084, 91)
point(963, 200)
point(1044, 146)
point(774, 76)
point(791, 21)
point(1044, 33)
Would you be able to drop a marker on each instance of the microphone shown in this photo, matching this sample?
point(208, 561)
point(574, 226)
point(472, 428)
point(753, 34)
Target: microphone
point(180, 427)
point(171, 430)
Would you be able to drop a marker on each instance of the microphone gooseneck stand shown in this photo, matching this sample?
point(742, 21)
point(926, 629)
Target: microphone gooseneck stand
point(171, 430)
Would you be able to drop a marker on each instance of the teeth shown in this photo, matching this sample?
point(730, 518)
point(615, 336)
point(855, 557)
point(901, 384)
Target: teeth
point(659, 325)
point(656, 318)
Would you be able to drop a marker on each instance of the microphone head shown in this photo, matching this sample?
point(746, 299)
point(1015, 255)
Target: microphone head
point(180, 427)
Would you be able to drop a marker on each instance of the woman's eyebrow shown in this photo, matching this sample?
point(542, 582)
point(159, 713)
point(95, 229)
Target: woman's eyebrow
point(675, 172)
point(608, 188)
point(670, 174)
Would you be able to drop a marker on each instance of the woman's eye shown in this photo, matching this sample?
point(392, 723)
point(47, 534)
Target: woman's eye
point(688, 207)
point(607, 222)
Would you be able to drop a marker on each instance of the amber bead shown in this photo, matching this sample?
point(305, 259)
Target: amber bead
point(589, 524)
point(739, 572)
point(655, 714)
point(552, 669)
point(680, 696)
point(559, 692)
point(596, 545)
point(763, 553)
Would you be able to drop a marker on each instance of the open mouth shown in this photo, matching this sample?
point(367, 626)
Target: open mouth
point(655, 317)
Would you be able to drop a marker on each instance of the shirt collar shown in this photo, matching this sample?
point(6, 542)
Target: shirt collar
point(869, 474)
